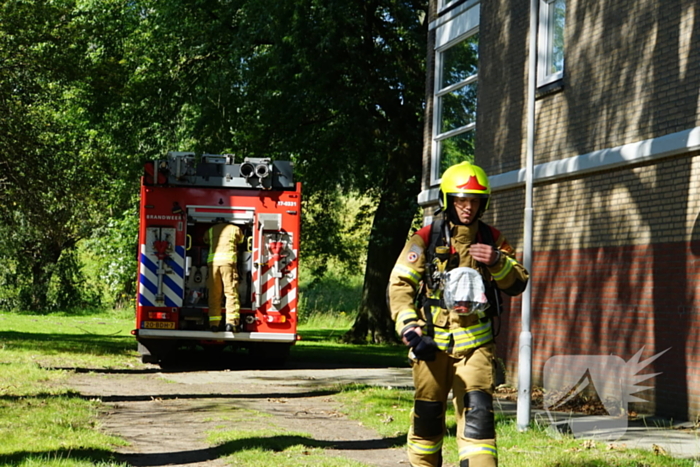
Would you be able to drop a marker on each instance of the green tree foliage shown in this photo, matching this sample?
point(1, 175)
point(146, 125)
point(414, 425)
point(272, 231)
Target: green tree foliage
point(89, 89)
point(110, 257)
point(61, 176)
point(335, 86)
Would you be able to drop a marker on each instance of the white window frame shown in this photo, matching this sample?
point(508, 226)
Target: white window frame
point(545, 45)
point(458, 29)
point(442, 4)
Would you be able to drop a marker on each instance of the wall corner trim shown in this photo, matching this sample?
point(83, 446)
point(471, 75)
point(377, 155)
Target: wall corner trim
point(429, 197)
point(597, 161)
point(604, 159)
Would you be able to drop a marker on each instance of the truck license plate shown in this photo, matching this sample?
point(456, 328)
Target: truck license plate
point(158, 325)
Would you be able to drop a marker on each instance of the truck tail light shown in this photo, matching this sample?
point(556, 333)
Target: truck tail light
point(276, 319)
point(158, 315)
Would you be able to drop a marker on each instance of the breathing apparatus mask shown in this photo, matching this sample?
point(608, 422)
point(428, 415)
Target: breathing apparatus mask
point(464, 291)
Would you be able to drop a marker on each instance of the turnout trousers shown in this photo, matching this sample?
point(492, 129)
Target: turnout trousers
point(471, 379)
point(223, 278)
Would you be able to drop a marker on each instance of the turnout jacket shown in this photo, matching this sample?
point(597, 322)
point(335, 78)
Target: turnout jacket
point(223, 240)
point(453, 333)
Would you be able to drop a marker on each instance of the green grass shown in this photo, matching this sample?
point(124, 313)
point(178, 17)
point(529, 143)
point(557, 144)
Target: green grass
point(55, 340)
point(321, 344)
point(335, 296)
point(52, 430)
point(387, 411)
point(275, 446)
point(44, 423)
point(331, 325)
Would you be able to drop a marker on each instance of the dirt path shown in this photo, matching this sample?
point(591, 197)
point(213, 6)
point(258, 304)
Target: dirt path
point(166, 416)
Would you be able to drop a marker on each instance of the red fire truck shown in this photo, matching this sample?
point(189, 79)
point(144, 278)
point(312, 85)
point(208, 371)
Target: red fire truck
point(181, 198)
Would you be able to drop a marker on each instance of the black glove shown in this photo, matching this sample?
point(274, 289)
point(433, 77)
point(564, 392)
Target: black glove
point(424, 347)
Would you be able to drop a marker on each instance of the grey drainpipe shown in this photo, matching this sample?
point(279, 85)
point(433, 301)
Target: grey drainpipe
point(525, 341)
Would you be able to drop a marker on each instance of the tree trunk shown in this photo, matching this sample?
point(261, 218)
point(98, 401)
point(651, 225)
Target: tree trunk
point(392, 221)
point(43, 265)
point(41, 275)
point(401, 117)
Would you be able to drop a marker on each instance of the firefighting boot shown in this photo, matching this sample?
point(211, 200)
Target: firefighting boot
point(233, 324)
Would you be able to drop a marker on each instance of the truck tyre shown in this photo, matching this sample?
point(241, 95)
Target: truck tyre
point(150, 359)
point(154, 351)
point(146, 355)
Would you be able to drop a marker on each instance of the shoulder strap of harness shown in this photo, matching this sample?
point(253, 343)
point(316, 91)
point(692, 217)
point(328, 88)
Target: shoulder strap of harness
point(439, 237)
point(436, 238)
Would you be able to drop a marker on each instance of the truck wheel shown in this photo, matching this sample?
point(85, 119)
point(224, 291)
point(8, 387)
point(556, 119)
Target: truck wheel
point(155, 352)
point(146, 355)
point(150, 359)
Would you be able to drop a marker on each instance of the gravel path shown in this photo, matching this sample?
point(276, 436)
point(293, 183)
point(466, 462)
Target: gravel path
point(165, 416)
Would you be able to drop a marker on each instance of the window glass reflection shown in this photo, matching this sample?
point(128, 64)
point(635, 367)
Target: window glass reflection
point(460, 61)
point(458, 108)
point(457, 149)
point(558, 19)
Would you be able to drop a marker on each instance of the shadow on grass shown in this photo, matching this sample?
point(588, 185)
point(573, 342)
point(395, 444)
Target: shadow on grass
point(277, 443)
point(302, 357)
point(322, 335)
point(51, 344)
point(282, 442)
point(329, 355)
point(46, 457)
point(172, 396)
point(317, 350)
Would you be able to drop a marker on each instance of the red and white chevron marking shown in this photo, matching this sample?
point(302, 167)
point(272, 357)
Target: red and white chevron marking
point(263, 278)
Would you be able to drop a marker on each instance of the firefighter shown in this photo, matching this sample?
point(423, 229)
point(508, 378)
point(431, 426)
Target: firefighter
point(223, 240)
point(452, 349)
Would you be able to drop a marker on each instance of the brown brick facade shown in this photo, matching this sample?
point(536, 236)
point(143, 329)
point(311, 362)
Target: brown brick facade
point(616, 268)
point(632, 73)
point(616, 258)
point(617, 301)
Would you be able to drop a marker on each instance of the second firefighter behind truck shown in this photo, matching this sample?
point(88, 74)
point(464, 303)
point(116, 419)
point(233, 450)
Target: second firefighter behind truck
point(223, 240)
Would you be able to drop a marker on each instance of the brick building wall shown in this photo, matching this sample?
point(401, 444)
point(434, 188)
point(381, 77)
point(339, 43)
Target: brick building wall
point(616, 269)
point(632, 72)
point(502, 98)
point(616, 260)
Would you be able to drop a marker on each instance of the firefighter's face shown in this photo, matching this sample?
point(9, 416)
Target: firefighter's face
point(466, 209)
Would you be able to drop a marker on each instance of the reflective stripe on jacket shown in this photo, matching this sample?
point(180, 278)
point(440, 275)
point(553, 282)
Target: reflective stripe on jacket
point(453, 333)
point(456, 334)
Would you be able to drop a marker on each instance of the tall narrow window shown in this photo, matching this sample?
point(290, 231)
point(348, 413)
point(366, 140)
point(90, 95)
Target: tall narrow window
point(456, 84)
point(455, 103)
point(550, 60)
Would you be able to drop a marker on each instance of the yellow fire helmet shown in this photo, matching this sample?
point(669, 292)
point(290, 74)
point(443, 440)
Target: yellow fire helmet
point(464, 180)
